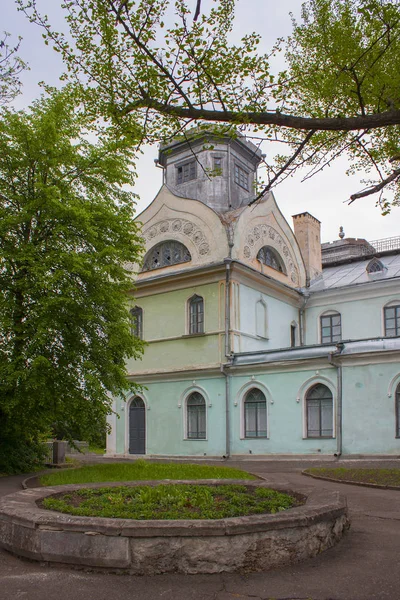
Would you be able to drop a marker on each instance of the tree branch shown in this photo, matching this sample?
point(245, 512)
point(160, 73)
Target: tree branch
point(376, 188)
point(372, 121)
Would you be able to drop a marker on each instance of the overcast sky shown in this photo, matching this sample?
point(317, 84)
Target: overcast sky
point(324, 196)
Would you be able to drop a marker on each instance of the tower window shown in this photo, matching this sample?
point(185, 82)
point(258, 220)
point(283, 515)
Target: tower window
point(217, 165)
point(241, 177)
point(186, 172)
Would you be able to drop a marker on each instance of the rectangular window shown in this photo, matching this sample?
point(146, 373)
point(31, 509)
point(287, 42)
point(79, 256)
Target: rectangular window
point(255, 419)
point(241, 177)
point(392, 321)
point(217, 165)
point(186, 172)
point(331, 328)
point(137, 322)
point(196, 315)
point(319, 418)
point(293, 336)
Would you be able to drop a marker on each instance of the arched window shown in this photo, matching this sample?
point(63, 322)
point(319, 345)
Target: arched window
point(392, 320)
point(255, 414)
point(319, 411)
point(165, 254)
point(196, 417)
point(375, 266)
point(196, 314)
point(270, 257)
point(331, 327)
point(397, 407)
point(137, 322)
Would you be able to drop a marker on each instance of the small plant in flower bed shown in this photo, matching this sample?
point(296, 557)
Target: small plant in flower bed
point(179, 501)
point(377, 476)
point(141, 470)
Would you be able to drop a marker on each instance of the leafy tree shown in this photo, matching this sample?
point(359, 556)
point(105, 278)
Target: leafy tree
point(338, 95)
point(11, 66)
point(66, 232)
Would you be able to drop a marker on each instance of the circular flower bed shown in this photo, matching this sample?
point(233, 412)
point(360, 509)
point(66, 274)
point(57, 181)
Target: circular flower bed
point(179, 501)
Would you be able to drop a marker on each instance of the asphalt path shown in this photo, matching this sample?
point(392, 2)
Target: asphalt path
point(365, 565)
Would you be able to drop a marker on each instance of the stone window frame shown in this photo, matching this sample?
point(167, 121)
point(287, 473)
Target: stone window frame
point(186, 171)
point(394, 304)
point(319, 403)
point(183, 403)
point(137, 326)
point(241, 176)
point(194, 326)
point(301, 398)
point(275, 256)
point(329, 314)
point(240, 400)
point(185, 255)
point(218, 169)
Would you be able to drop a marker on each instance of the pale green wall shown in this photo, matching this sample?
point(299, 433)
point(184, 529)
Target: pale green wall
point(165, 316)
point(279, 318)
point(368, 413)
point(360, 318)
point(285, 415)
point(165, 427)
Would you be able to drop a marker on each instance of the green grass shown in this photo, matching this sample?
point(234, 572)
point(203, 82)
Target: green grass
point(179, 501)
point(141, 470)
point(377, 476)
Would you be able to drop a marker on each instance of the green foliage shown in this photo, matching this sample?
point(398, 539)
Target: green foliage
point(66, 232)
point(11, 66)
point(19, 453)
point(141, 470)
point(376, 476)
point(166, 502)
point(337, 95)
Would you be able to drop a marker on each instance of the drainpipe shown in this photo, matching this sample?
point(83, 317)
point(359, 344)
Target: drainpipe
point(228, 356)
point(302, 319)
point(339, 407)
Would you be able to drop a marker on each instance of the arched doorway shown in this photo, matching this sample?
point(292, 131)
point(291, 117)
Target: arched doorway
point(137, 426)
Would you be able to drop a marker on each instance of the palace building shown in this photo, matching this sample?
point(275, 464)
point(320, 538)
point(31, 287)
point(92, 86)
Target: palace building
point(260, 340)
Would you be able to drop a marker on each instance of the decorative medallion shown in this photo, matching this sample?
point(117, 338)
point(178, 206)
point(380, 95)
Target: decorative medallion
point(182, 226)
point(246, 251)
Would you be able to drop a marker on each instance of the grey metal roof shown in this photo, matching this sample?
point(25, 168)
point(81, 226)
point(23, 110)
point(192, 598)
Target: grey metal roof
point(355, 273)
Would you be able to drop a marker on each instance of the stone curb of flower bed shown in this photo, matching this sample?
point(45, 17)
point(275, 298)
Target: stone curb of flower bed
point(251, 543)
point(349, 482)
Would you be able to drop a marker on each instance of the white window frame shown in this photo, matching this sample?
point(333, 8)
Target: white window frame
point(301, 396)
point(240, 399)
point(329, 313)
point(183, 403)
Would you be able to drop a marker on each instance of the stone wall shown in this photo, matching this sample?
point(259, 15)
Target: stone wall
point(250, 543)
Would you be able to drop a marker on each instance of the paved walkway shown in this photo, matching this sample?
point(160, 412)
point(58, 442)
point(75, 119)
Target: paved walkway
point(363, 566)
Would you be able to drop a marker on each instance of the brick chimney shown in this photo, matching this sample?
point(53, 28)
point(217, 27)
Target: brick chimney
point(307, 230)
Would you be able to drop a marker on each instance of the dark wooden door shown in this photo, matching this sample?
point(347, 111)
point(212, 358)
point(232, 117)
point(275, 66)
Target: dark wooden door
point(137, 427)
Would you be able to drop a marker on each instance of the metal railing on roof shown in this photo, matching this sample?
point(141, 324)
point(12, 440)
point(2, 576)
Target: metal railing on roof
point(392, 243)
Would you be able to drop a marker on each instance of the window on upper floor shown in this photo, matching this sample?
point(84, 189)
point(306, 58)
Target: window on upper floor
point(392, 320)
point(217, 165)
point(331, 327)
point(397, 409)
point(196, 417)
point(186, 172)
point(241, 177)
point(293, 328)
point(255, 414)
point(196, 314)
point(137, 322)
point(166, 254)
point(270, 257)
point(319, 412)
